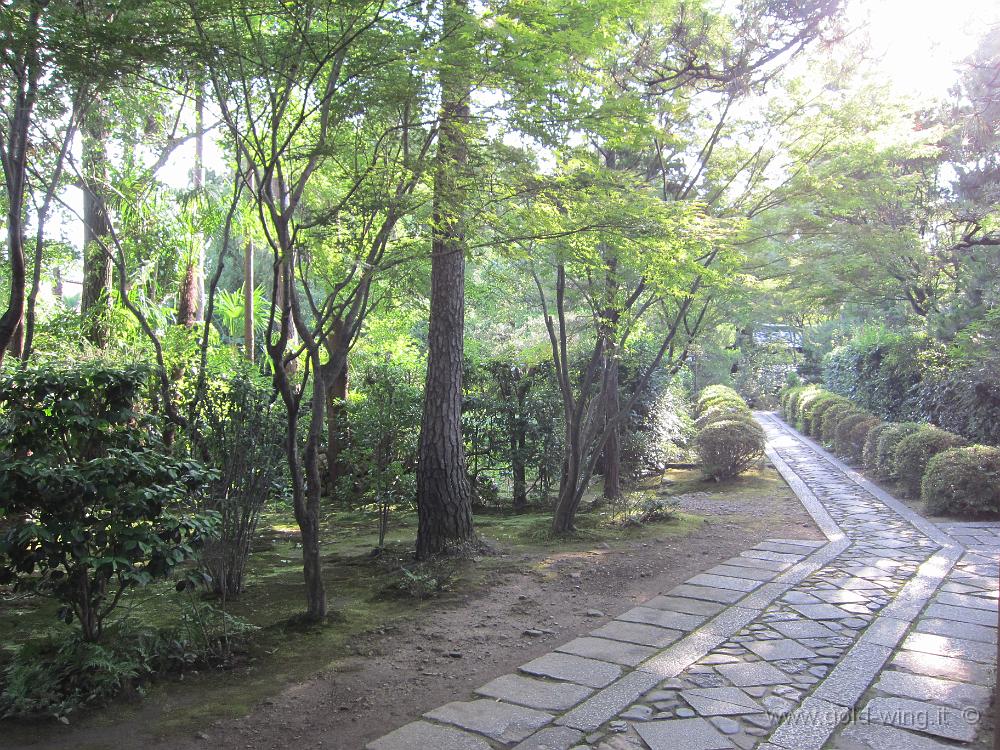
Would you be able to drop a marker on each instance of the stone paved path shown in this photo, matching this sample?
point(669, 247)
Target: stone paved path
point(883, 637)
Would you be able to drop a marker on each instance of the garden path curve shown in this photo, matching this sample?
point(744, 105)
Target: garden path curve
point(882, 637)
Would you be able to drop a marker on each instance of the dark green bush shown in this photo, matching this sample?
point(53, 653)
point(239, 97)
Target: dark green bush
point(831, 418)
point(813, 414)
point(963, 480)
point(851, 433)
point(796, 399)
point(885, 453)
point(726, 411)
point(728, 448)
point(880, 370)
point(84, 475)
point(803, 405)
point(869, 454)
point(916, 449)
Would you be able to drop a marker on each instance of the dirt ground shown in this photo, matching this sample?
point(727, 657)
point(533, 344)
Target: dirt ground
point(394, 673)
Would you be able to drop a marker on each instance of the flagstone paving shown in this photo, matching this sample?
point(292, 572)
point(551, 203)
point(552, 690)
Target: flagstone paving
point(882, 637)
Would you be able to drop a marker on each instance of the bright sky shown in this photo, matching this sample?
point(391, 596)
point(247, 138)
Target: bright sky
point(918, 43)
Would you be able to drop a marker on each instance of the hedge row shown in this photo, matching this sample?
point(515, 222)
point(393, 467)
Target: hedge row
point(937, 465)
point(729, 441)
point(904, 375)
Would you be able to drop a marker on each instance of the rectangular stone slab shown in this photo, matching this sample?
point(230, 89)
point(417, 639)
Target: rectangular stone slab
point(751, 573)
point(589, 672)
point(636, 632)
point(662, 618)
point(957, 629)
point(422, 734)
point(685, 605)
point(957, 647)
point(725, 596)
point(551, 738)
point(724, 582)
point(918, 716)
point(962, 614)
point(495, 719)
point(616, 652)
point(545, 695)
point(936, 690)
point(943, 666)
point(686, 734)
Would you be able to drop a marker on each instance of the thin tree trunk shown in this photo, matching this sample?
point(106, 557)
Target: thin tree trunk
point(336, 410)
point(95, 298)
point(14, 154)
point(191, 296)
point(444, 494)
point(518, 442)
point(612, 448)
point(248, 301)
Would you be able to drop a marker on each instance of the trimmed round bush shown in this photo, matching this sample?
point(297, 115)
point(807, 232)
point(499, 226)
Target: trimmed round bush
point(786, 398)
point(915, 451)
point(728, 448)
point(711, 391)
point(814, 417)
point(797, 399)
point(803, 405)
point(848, 444)
point(842, 442)
point(870, 451)
point(963, 480)
point(832, 417)
point(885, 454)
point(725, 411)
point(704, 404)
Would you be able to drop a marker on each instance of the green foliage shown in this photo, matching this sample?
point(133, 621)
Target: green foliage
point(812, 413)
point(880, 370)
point(885, 451)
point(724, 411)
point(728, 448)
point(852, 433)
point(89, 488)
point(63, 673)
point(965, 481)
point(869, 453)
point(914, 451)
point(831, 418)
point(241, 436)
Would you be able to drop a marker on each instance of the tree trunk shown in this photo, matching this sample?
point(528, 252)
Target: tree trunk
point(444, 495)
point(336, 422)
point(518, 442)
point(248, 302)
point(612, 457)
point(191, 296)
point(95, 299)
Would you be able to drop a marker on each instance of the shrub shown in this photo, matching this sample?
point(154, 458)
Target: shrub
point(727, 411)
point(728, 448)
point(242, 436)
point(796, 398)
point(713, 391)
point(832, 416)
point(916, 449)
point(869, 454)
point(804, 405)
point(885, 453)
point(813, 416)
point(704, 404)
point(852, 433)
point(880, 370)
point(88, 481)
point(963, 480)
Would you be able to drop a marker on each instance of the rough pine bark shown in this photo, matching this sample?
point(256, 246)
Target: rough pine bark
point(444, 494)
